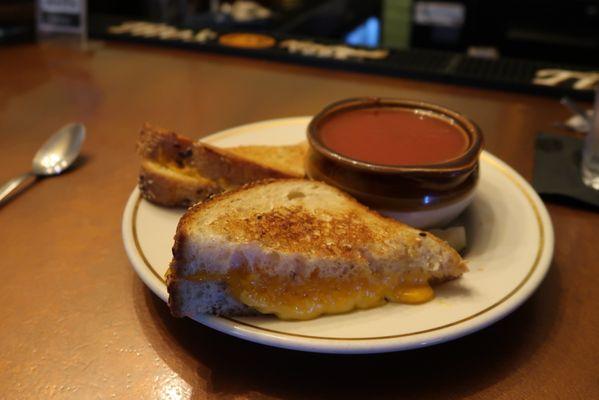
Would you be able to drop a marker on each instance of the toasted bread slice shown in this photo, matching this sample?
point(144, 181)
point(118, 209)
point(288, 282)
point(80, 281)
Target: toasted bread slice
point(287, 159)
point(299, 249)
point(177, 171)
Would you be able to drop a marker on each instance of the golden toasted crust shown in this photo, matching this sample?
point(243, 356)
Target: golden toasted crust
point(156, 143)
point(186, 220)
point(229, 169)
point(177, 171)
point(290, 229)
point(287, 159)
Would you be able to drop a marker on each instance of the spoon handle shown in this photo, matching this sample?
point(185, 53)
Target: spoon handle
point(13, 185)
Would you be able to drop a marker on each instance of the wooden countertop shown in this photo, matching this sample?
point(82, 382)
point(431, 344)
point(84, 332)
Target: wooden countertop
point(78, 323)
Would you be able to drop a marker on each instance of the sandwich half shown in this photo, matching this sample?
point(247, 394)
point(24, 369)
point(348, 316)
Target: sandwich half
point(177, 171)
point(299, 249)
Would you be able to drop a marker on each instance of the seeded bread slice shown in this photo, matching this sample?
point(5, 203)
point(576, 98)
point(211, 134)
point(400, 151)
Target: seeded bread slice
point(178, 172)
point(292, 228)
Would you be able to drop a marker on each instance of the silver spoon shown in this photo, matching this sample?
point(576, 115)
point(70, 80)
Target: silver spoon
point(54, 157)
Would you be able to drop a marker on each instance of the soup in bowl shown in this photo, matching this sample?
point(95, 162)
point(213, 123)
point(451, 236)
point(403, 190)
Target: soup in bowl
point(414, 161)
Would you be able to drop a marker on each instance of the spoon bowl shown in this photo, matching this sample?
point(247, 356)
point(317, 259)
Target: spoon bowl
point(60, 151)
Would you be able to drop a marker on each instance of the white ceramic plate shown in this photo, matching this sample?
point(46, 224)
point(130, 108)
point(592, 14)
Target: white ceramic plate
point(510, 245)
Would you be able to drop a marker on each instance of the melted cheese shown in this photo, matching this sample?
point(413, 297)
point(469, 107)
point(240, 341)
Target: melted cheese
point(304, 299)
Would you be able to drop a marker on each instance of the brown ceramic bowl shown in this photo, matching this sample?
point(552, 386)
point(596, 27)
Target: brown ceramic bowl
point(420, 195)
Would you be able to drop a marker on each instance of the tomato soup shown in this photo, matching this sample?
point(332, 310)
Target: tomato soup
point(393, 136)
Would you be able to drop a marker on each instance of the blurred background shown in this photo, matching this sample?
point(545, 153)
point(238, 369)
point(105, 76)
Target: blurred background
point(561, 30)
point(533, 46)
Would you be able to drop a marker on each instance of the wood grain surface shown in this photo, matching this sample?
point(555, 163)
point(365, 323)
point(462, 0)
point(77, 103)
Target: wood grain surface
point(77, 323)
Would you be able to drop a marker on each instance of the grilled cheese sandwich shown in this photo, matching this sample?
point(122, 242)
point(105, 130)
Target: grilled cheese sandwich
point(299, 249)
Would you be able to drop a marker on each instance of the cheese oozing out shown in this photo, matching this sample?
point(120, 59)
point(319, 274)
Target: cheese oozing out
point(307, 298)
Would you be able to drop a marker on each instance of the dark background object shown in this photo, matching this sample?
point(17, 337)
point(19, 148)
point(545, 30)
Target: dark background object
point(564, 31)
point(17, 22)
point(557, 171)
point(524, 36)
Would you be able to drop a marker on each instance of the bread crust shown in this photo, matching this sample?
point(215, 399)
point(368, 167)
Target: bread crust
point(170, 189)
point(178, 172)
point(189, 298)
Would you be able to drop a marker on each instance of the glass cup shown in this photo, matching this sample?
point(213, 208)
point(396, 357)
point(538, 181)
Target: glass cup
point(590, 151)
